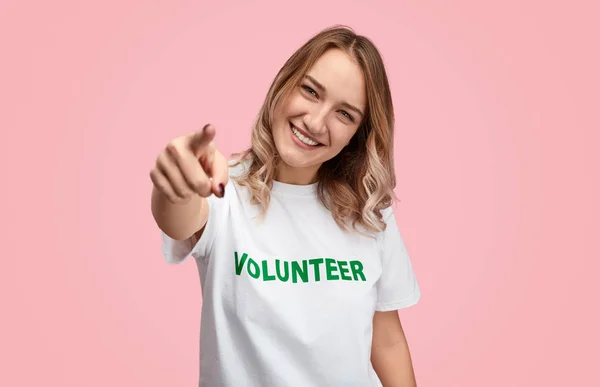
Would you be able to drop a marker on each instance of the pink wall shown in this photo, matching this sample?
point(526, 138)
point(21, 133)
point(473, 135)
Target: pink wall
point(496, 150)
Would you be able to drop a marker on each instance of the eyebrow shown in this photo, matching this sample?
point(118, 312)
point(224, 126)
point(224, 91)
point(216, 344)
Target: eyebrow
point(345, 104)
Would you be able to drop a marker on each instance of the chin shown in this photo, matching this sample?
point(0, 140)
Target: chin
point(294, 159)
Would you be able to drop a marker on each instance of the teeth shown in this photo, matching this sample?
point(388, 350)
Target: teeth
point(304, 139)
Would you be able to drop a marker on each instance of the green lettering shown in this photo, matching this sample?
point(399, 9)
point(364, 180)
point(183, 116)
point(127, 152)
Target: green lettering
point(299, 269)
point(316, 262)
point(297, 272)
point(252, 264)
point(357, 268)
point(331, 269)
point(286, 270)
point(239, 265)
point(344, 270)
point(266, 276)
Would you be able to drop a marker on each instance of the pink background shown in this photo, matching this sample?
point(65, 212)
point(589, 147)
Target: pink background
point(496, 150)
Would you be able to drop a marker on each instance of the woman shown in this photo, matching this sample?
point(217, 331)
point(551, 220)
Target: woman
point(301, 262)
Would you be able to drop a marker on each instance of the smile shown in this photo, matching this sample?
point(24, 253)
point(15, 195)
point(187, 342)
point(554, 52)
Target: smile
point(303, 139)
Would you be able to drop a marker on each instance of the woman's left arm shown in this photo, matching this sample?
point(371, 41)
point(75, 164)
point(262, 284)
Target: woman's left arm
point(390, 355)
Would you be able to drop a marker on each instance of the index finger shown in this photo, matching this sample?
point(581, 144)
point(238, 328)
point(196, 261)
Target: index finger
point(202, 138)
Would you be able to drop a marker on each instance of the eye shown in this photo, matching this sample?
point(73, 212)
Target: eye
point(310, 90)
point(347, 115)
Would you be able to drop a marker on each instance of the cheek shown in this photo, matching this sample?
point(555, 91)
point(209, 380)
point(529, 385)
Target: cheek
point(295, 105)
point(278, 112)
point(279, 119)
point(284, 110)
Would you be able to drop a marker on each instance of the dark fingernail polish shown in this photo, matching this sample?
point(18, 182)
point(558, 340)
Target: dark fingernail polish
point(222, 189)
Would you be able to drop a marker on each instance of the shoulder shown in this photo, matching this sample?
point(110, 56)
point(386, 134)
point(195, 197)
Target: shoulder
point(237, 167)
point(388, 216)
point(387, 213)
point(389, 222)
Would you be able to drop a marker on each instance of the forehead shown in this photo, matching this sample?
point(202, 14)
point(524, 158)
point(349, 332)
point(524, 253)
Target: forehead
point(341, 76)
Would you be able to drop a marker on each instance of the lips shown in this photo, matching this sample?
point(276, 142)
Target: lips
point(306, 135)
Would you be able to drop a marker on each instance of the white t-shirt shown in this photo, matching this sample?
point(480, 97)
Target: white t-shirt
point(289, 300)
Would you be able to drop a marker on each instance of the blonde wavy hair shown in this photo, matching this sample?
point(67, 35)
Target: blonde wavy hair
point(359, 182)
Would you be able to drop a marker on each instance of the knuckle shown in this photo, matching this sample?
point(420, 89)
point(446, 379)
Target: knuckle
point(197, 184)
point(155, 177)
point(174, 197)
point(187, 194)
point(173, 149)
point(203, 190)
point(180, 191)
point(206, 192)
point(202, 187)
point(161, 161)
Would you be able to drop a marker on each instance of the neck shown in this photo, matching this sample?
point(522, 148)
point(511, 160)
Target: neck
point(296, 175)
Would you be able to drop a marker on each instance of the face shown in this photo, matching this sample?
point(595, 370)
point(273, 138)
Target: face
point(318, 119)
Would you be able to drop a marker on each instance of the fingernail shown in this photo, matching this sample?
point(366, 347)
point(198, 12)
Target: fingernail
point(222, 189)
point(205, 126)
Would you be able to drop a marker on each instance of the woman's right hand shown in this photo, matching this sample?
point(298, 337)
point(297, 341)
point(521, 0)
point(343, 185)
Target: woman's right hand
point(191, 165)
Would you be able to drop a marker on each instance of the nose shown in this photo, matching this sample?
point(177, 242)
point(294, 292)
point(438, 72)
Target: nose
point(314, 121)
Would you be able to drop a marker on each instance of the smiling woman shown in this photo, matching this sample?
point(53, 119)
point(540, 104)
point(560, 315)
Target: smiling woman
point(300, 258)
point(317, 119)
point(328, 118)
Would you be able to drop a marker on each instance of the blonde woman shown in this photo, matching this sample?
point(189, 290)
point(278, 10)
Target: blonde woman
point(301, 262)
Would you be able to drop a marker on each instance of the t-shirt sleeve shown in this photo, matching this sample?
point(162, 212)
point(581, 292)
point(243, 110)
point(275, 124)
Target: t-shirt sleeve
point(397, 287)
point(177, 251)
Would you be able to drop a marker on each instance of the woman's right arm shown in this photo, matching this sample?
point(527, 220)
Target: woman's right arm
point(187, 171)
point(179, 221)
